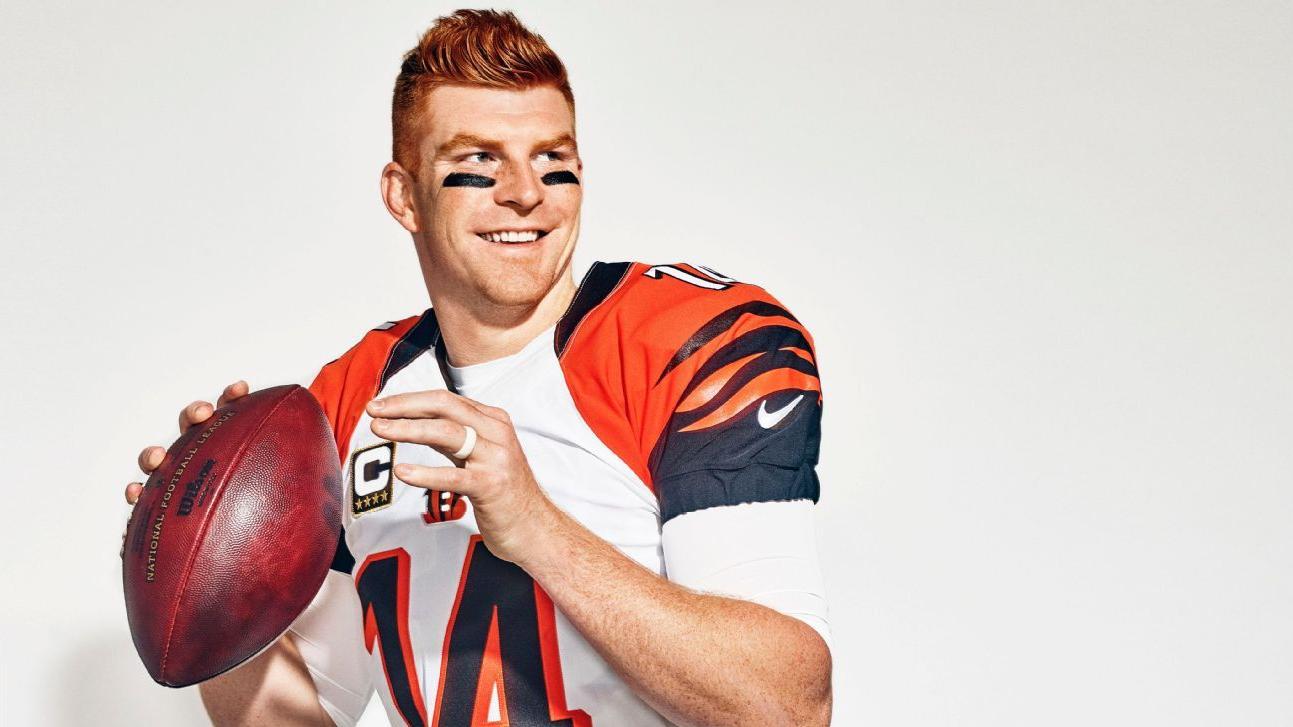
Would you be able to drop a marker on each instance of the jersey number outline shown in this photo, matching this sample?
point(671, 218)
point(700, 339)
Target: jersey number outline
point(383, 586)
point(708, 278)
point(499, 609)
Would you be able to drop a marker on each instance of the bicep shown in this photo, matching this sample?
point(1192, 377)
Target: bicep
point(763, 552)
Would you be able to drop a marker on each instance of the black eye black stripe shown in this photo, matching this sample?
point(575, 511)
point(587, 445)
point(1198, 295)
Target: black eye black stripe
point(459, 179)
point(561, 177)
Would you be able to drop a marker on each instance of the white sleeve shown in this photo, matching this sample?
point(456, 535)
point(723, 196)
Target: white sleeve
point(329, 634)
point(765, 552)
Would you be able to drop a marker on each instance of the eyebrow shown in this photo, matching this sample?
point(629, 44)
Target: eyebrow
point(561, 140)
point(464, 141)
point(471, 141)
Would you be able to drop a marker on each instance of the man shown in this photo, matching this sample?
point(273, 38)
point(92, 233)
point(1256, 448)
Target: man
point(566, 505)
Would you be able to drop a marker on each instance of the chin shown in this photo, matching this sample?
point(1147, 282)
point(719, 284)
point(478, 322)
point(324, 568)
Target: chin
point(517, 287)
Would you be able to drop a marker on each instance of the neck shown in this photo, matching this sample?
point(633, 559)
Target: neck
point(476, 332)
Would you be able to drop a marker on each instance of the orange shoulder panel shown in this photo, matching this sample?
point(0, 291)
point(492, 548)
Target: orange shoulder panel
point(633, 361)
point(345, 386)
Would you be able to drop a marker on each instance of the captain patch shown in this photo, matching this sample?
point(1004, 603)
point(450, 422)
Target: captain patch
point(371, 478)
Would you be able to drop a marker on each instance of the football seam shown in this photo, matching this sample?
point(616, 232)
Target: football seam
point(201, 534)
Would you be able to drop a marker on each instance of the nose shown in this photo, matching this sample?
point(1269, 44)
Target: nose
point(518, 187)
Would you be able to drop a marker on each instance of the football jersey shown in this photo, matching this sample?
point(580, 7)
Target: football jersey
point(662, 391)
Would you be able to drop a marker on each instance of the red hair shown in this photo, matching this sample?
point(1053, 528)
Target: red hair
point(471, 48)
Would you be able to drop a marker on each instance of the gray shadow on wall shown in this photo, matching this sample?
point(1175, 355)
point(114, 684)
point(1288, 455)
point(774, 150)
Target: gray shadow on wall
point(100, 681)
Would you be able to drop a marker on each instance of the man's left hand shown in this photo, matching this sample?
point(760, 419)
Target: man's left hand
point(508, 503)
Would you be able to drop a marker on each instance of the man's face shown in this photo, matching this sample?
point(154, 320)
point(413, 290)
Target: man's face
point(497, 193)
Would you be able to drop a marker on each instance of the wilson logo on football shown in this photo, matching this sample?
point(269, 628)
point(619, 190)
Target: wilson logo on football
point(195, 492)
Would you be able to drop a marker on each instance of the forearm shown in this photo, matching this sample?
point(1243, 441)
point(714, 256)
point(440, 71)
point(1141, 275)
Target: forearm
point(274, 688)
point(696, 658)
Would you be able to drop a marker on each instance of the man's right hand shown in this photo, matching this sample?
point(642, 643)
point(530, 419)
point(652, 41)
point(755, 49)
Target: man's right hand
point(195, 413)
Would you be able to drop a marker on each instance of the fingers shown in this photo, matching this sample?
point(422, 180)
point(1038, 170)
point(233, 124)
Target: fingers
point(200, 411)
point(150, 458)
point(492, 412)
point(232, 392)
point(440, 403)
point(443, 435)
point(195, 413)
point(445, 479)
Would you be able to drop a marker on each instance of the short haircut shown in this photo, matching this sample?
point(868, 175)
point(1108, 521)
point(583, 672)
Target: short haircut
point(471, 48)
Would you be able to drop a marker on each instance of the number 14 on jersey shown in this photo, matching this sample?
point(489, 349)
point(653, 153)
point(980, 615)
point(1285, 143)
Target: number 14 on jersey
point(501, 664)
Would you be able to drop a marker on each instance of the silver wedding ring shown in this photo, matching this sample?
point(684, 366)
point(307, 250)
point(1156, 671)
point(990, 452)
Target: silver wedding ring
point(468, 444)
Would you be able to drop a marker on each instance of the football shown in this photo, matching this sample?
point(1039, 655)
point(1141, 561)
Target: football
point(232, 536)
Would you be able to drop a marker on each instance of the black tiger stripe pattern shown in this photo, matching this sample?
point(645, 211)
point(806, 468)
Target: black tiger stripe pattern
point(742, 432)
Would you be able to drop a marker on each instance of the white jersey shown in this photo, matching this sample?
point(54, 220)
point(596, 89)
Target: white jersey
point(667, 402)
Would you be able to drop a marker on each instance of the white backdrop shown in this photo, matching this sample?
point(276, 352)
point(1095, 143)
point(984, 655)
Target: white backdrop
point(1046, 250)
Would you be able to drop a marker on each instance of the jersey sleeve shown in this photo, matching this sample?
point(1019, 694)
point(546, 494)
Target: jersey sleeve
point(707, 387)
point(744, 409)
point(766, 553)
point(329, 637)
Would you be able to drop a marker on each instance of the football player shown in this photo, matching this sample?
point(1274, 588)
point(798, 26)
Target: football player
point(565, 504)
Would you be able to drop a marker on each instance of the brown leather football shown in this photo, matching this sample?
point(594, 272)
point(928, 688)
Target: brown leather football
point(232, 535)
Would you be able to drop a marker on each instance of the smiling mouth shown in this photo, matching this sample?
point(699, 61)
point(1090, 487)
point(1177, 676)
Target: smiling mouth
point(512, 236)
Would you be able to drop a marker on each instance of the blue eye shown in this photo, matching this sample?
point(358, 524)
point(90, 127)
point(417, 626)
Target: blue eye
point(550, 156)
point(480, 157)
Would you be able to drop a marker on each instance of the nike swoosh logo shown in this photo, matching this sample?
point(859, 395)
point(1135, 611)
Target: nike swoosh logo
point(769, 419)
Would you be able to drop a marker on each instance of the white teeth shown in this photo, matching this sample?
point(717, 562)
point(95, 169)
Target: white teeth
point(511, 236)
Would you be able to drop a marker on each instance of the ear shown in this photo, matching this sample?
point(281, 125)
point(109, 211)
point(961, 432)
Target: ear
point(397, 193)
